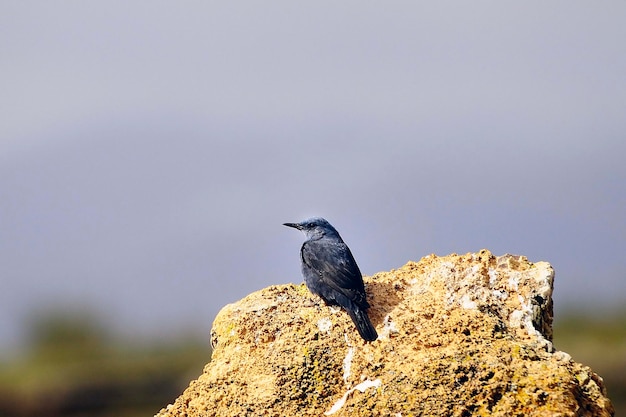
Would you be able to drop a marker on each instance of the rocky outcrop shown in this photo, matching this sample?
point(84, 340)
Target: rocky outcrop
point(458, 336)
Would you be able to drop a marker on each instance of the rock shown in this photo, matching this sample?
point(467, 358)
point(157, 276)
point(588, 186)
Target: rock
point(459, 335)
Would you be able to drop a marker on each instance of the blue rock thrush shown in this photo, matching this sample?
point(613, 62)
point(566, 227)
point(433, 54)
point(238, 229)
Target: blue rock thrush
point(330, 271)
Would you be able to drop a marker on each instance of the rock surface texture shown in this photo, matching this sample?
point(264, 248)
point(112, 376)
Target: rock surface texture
point(460, 335)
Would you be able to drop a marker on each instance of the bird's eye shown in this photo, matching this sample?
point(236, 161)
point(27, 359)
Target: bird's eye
point(310, 225)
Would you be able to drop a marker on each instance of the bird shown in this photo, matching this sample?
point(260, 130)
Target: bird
point(330, 272)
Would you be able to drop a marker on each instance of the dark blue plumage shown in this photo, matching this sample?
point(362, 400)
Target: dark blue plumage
point(330, 271)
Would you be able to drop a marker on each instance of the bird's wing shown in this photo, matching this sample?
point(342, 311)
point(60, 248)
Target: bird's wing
point(336, 267)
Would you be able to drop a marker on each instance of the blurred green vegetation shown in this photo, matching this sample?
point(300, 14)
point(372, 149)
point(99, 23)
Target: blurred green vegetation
point(597, 340)
point(74, 366)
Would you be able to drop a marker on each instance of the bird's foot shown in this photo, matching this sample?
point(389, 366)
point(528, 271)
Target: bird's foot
point(309, 303)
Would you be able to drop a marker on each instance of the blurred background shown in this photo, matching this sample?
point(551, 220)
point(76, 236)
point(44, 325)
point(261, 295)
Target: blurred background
point(150, 151)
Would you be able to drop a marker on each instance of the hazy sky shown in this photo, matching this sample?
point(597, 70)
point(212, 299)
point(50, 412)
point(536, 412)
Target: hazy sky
point(151, 150)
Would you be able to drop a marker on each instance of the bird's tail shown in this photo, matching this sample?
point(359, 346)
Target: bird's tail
point(363, 324)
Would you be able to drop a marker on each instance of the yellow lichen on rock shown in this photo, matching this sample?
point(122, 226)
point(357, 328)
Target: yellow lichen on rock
point(459, 335)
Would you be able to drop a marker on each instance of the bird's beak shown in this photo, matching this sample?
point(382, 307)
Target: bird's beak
point(294, 225)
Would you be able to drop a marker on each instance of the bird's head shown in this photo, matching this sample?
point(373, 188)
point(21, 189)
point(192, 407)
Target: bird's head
point(315, 228)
